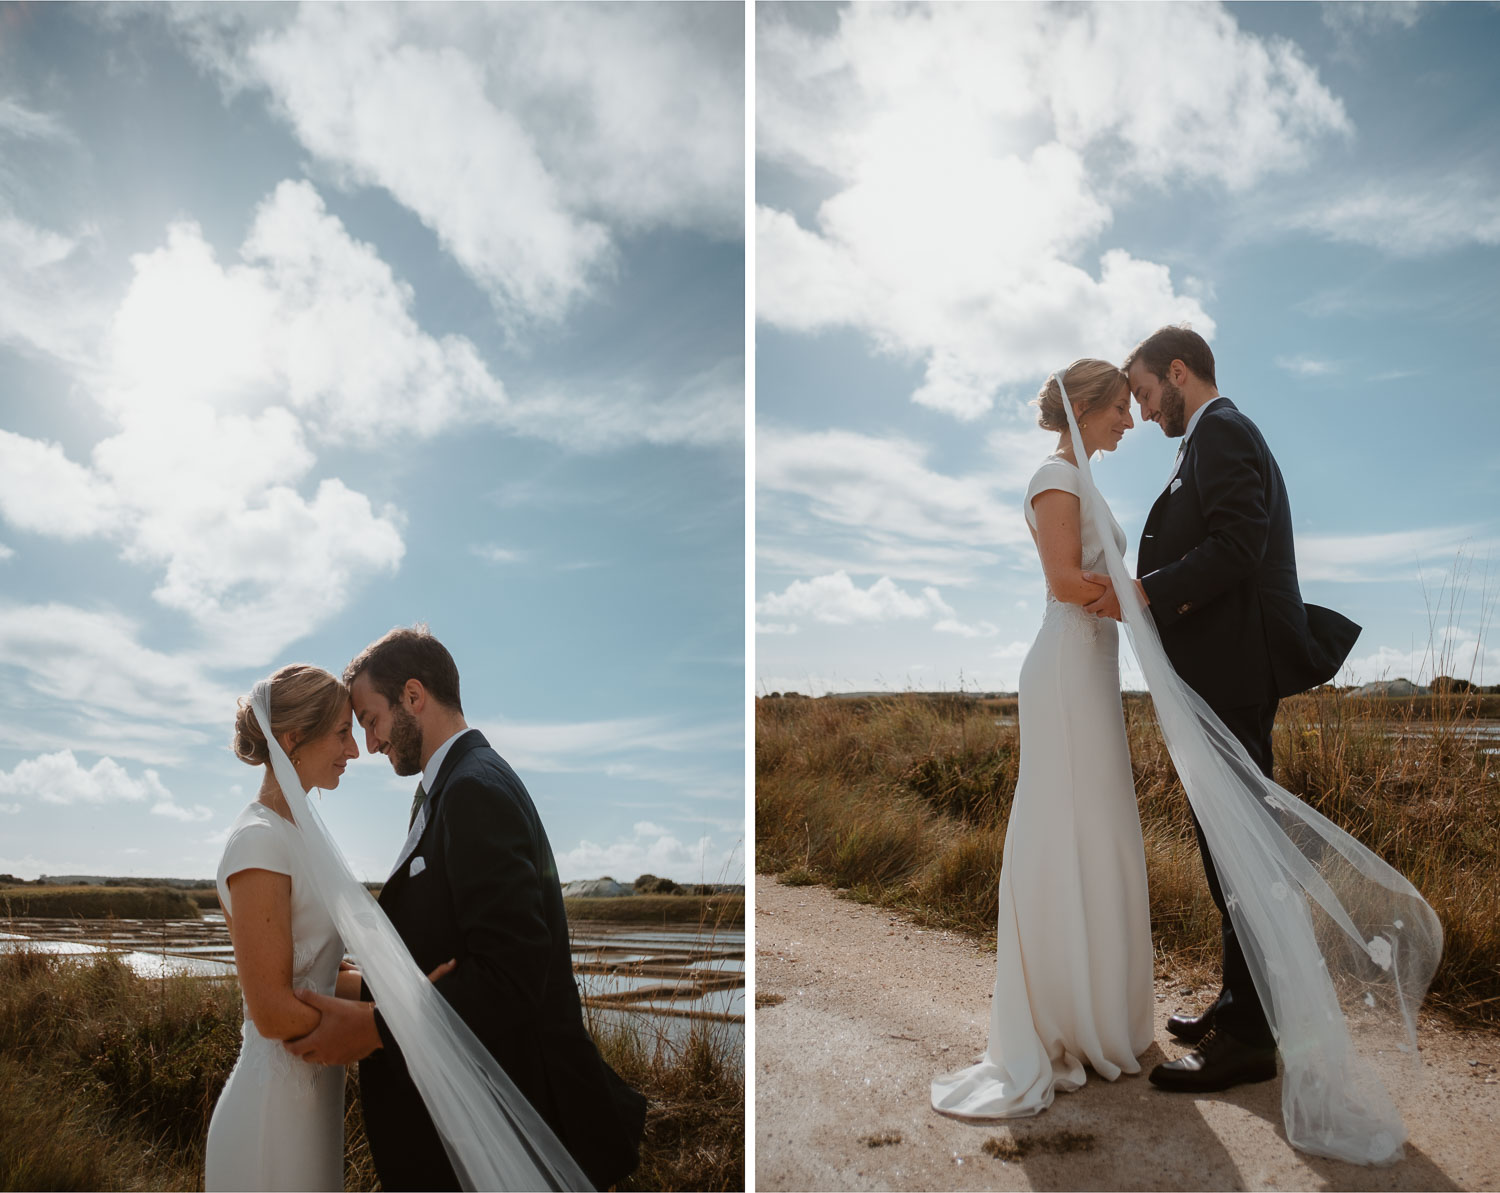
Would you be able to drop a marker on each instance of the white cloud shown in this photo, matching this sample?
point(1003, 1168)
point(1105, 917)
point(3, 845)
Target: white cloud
point(837, 600)
point(61, 779)
point(42, 491)
point(516, 133)
point(311, 318)
point(651, 849)
point(1419, 217)
point(6, 552)
point(10, 809)
point(975, 152)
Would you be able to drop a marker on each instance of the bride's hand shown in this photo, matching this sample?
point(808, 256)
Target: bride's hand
point(442, 970)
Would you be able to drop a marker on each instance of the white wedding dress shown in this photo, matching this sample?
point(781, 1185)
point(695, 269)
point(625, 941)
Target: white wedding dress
point(1073, 973)
point(279, 1122)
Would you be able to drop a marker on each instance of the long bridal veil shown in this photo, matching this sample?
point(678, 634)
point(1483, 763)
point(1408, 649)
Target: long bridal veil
point(1340, 946)
point(493, 1136)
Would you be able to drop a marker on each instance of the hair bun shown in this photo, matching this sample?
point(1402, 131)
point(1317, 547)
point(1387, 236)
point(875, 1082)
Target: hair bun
point(1050, 413)
point(249, 742)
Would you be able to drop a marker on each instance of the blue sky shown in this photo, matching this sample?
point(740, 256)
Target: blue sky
point(955, 201)
point(317, 321)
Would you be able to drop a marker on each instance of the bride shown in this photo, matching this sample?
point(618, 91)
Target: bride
point(293, 906)
point(1332, 935)
point(279, 1122)
point(1073, 945)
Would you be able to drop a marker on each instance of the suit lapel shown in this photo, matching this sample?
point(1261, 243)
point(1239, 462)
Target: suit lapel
point(469, 741)
point(1152, 529)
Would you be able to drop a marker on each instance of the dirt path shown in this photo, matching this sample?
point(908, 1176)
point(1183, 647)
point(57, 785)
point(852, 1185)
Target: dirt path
point(874, 1007)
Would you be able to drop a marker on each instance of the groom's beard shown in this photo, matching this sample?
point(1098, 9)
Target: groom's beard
point(404, 747)
point(1172, 406)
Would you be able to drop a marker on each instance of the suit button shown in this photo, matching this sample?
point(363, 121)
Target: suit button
point(1184, 607)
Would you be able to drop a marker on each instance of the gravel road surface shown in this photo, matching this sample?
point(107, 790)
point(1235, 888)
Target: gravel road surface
point(871, 1007)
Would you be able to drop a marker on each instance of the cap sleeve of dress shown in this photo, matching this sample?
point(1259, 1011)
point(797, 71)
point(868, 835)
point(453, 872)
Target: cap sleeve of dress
point(1054, 474)
point(252, 845)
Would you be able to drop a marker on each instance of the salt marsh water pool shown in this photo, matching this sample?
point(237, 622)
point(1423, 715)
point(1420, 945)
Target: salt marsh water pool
point(660, 981)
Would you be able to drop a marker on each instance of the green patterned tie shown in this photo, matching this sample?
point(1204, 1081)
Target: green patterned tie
point(416, 804)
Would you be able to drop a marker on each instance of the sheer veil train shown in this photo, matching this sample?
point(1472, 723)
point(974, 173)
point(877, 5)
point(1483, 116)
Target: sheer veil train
point(1335, 938)
point(493, 1136)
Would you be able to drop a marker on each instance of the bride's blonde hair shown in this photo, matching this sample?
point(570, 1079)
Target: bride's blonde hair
point(1094, 383)
point(305, 702)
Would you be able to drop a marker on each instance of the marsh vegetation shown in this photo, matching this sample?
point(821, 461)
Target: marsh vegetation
point(903, 801)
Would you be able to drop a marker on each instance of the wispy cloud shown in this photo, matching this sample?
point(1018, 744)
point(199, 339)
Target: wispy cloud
point(1417, 217)
point(93, 663)
point(491, 553)
point(1359, 558)
point(1307, 366)
point(25, 123)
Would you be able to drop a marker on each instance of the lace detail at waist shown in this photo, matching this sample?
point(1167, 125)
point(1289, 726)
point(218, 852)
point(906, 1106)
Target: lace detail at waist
point(271, 1061)
point(1073, 621)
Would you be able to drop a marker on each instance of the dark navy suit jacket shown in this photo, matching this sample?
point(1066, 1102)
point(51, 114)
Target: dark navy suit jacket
point(487, 893)
point(1217, 562)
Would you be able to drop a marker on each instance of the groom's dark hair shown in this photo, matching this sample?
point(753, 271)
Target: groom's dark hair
point(1158, 350)
point(408, 654)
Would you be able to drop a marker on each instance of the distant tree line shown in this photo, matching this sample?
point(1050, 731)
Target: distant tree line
point(650, 884)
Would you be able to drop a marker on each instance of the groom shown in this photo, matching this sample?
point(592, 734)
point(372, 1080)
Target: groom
point(1219, 575)
point(475, 881)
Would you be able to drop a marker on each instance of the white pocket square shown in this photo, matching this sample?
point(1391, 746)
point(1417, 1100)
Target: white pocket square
point(417, 866)
point(1176, 484)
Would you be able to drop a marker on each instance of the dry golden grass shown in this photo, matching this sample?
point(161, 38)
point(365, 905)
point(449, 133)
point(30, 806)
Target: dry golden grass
point(109, 1081)
point(904, 801)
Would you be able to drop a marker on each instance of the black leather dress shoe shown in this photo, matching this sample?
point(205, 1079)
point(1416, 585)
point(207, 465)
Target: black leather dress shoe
point(1190, 1031)
point(1218, 1062)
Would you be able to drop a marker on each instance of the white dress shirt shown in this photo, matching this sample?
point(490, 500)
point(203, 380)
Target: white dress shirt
point(1182, 448)
point(435, 763)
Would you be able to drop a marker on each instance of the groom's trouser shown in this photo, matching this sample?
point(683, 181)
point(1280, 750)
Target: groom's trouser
point(1238, 1011)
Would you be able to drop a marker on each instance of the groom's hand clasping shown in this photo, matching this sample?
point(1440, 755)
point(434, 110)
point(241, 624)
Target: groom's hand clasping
point(346, 1032)
point(1106, 604)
